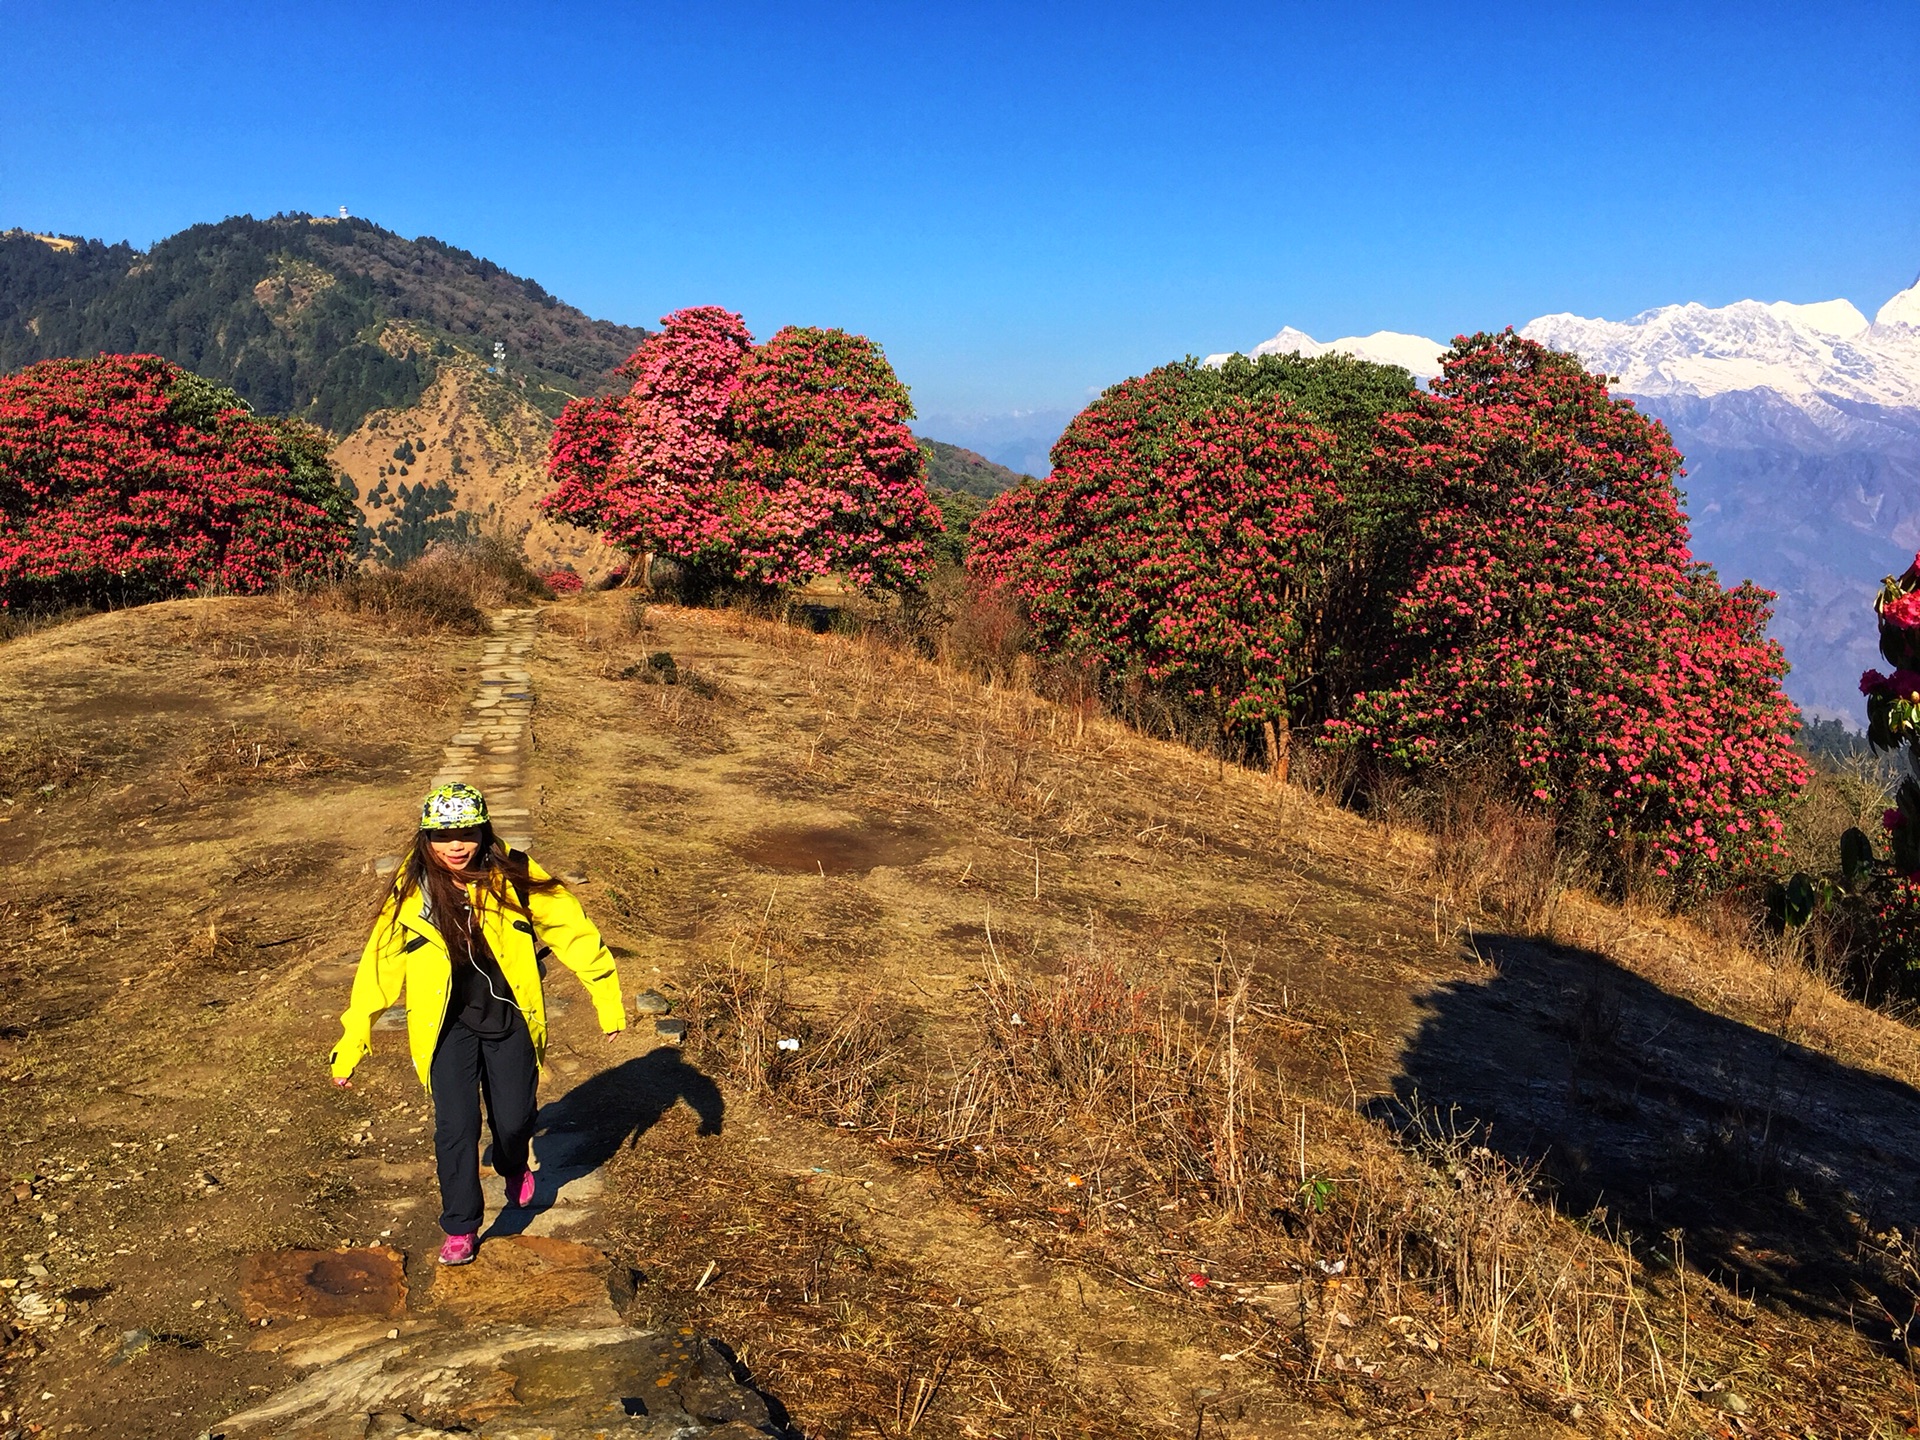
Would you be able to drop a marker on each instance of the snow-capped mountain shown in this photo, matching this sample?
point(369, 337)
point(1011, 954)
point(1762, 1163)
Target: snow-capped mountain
point(1801, 428)
point(1384, 347)
point(1817, 353)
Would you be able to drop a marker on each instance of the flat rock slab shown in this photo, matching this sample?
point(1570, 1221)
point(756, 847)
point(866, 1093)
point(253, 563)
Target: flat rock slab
point(519, 1382)
point(523, 1279)
point(322, 1284)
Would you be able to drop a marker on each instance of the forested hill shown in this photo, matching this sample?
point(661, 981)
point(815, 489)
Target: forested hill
point(953, 467)
point(325, 318)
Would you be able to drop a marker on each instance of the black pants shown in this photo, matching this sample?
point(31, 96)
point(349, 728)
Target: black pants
point(467, 1069)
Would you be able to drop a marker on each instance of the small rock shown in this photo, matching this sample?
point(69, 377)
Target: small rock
point(1732, 1403)
point(651, 1002)
point(714, 1393)
point(131, 1344)
point(673, 1032)
point(39, 1272)
point(386, 864)
point(31, 1305)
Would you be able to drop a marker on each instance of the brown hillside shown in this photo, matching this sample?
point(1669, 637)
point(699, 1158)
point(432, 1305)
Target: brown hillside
point(483, 439)
point(1097, 1124)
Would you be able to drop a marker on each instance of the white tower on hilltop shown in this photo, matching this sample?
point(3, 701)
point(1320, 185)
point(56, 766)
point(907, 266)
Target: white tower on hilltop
point(343, 212)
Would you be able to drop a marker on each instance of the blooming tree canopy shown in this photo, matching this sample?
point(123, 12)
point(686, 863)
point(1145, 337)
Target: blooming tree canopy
point(126, 479)
point(1555, 627)
point(1174, 545)
point(765, 464)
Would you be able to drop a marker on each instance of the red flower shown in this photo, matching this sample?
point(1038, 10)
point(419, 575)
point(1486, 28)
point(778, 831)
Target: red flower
point(126, 479)
point(1903, 613)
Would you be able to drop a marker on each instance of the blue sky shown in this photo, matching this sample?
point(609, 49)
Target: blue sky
point(1024, 203)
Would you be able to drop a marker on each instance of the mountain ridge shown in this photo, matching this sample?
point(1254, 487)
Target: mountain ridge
point(292, 311)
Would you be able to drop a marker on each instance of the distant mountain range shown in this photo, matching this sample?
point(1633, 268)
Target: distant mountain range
point(1801, 428)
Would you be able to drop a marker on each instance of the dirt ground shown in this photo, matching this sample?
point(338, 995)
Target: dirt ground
point(197, 794)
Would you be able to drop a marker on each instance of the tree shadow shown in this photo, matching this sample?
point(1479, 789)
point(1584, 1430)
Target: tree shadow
point(1777, 1162)
point(586, 1127)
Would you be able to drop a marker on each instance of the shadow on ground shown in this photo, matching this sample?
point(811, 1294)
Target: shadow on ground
point(1779, 1164)
point(586, 1127)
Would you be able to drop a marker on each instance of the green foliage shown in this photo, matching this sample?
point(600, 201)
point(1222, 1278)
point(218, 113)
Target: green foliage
point(1833, 742)
point(958, 510)
point(1343, 395)
point(424, 515)
point(324, 319)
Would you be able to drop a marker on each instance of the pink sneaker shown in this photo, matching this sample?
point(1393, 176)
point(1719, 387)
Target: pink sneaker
point(459, 1249)
point(520, 1189)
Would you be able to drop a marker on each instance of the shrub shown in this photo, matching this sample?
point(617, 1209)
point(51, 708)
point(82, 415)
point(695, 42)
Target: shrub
point(449, 588)
point(1177, 548)
point(125, 479)
point(1556, 632)
point(826, 474)
point(1872, 897)
point(759, 465)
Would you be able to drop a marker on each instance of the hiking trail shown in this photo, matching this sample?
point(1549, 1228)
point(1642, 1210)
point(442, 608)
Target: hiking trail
point(526, 1340)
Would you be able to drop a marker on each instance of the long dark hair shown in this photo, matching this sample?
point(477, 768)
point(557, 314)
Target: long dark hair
point(501, 872)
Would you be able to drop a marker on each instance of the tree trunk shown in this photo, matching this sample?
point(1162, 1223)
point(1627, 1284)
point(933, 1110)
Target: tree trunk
point(642, 567)
point(1279, 748)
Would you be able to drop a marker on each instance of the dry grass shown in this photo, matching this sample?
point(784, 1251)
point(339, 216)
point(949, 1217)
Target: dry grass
point(447, 589)
point(39, 761)
point(235, 754)
point(855, 1342)
point(17, 625)
point(1852, 794)
point(1493, 861)
point(1147, 1133)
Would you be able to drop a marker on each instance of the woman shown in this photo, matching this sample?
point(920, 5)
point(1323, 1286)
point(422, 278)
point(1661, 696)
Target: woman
point(465, 928)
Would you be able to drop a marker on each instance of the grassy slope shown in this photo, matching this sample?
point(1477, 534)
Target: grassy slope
point(192, 890)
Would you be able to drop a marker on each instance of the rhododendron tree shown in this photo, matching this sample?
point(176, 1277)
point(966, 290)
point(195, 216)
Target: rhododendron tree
point(126, 479)
point(826, 474)
point(1174, 544)
point(1556, 631)
point(1877, 894)
point(761, 464)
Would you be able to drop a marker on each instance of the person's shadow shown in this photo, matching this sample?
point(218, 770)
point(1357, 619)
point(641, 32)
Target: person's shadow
point(586, 1127)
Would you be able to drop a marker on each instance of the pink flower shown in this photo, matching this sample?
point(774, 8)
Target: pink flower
point(1903, 613)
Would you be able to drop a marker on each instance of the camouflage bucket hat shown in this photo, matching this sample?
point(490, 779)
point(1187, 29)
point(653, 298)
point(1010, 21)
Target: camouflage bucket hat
point(453, 807)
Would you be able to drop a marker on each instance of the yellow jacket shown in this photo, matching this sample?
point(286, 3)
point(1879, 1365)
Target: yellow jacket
point(406, 949)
